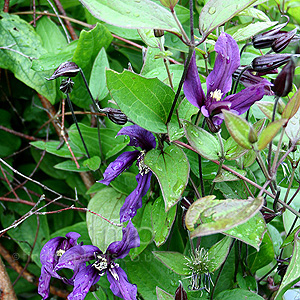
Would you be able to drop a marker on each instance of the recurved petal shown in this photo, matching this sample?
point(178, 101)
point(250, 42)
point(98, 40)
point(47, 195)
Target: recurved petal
point(192, 85)
point(77, 255)
point(227, 61)
point(129, 240)
point(84, 279)
point(115, 168)
point(134, 201)
point(139, 137)
point(44, 283)
point(120, 285)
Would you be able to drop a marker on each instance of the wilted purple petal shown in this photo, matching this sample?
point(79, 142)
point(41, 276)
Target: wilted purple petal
point(227, 61)
point(115, 168)
point(77, 255)
point(120, 285)
point(44, 283)
point(129, 240)
point(134, 201)
point(84, 279)
point(192, 85)
point(139, 137)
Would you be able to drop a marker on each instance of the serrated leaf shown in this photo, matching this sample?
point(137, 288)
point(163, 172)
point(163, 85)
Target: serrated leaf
point(238, 128)
point(202, 141)
point(251, 232)
point(132, 14)
point(15, 31)
point(171, 169)
point(108, 203)
point(175, 261)
point(217, 12)
point(147, 102)
point(269, 133)
point(219, 215)
point(292, 106)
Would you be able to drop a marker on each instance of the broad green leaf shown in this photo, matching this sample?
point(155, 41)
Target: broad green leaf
point(228, 176)
point(148, 37)
point(98, 79)
point(107, 203)
point(162, 295)
point(146, 102)
point(208, 215)
point(21, 37)
point(290, 238)
point(175, 261)
point(202, 141)
point(251, 232)
point(218, 253)
point(89, 44)
point(92, 163)
point(267, 109)
point(238, 294)
point(125, 183)
point(232, 149)
point(132, 14)
point(247, 283)
point(70, 165)
point(269, 133)
point(238, 128)
point(153, 66)
point(162, 222)
point(292, 274)
point(258, 14)
point(292, 106)
point(217, 12)
point(171, 169)
point(293, 127)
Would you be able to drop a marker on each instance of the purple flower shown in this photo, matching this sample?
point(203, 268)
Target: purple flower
point(104, 264)
point(139, 137)
point(50, 256)
point(219, 83)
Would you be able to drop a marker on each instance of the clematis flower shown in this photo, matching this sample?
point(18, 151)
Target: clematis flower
point(219, 83)
point(104, 264)
point(50, 256)
point(139, 137)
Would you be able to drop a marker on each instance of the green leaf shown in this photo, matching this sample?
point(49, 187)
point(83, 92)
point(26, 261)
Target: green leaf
point(218, 253)
point(269, 133)
point(251, 232)
point(228, 176)
point(238, 128)
point(162, 222)
point(175, 261)
point(92, 163)
point(15, 31)
point(171, 169)
point(132, 14)
point(70, 165)
point(258, 14)
point(217, 12)
point(202, 141)
point(107, 203)
point(233, 150)
point(247, 282)
point(98, 79)
point(162, 295)
point(293, 127)
point(219, 215)
point(238, 294)
point(290, 238)
point(147, 102)
point(292, 106)
point(267, 108)
point(292, 274)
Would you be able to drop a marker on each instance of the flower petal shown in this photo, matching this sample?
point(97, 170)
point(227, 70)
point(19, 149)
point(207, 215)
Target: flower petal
point(139, 137)
point(84, 279)
point(227, 61)
point(44, 283)
point(134, 201)
point(115, 168)
point(120, 286)
point(192, 85)
point(74, 257)
point(129, 240)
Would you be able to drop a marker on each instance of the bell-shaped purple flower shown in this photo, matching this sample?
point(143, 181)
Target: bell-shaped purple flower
point(104, 264)
point(50, 256)
point(219, 83)
point(139, 137)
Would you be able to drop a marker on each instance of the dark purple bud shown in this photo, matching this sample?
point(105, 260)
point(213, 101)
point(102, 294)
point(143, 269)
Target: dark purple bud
point(212, 127)
point(66, 69)
point(180, 293)
point(115, 115)
point(269, 62)
point(283, 41)
point(158, 33)
point(66, 86)
point(283, 83)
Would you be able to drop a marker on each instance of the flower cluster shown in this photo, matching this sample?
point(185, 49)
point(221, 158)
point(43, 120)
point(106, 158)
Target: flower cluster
point(64, 253)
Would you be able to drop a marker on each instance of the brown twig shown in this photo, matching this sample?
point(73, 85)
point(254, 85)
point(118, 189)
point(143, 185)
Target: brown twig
point(22, 135)
point(7, 290)
point(6, 6)
point(17, 201)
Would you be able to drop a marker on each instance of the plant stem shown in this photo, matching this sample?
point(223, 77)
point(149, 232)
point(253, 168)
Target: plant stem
point(186, 38)
point(192, 22)
point(290, 185)
point(277, 152)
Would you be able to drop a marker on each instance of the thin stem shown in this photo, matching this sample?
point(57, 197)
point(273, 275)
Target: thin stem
point(195, 189)
point(244, 47)
point(192, 22)
point(186, 38)
point(295, 194)
point(6, 6)
point(290, 185)
point(238, 79)
point(277, 152)
point(262, 164)
point(201, 175)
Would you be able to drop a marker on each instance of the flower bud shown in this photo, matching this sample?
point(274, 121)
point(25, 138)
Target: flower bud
point(283, 41)
point(283, 83)
point(169, 3)
point(66, 86)
point(158, 33)
point(115, 115)
point(269, 62)
point(180, 293)
point(252, 136)
point(66, 69)
point(280, 106)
